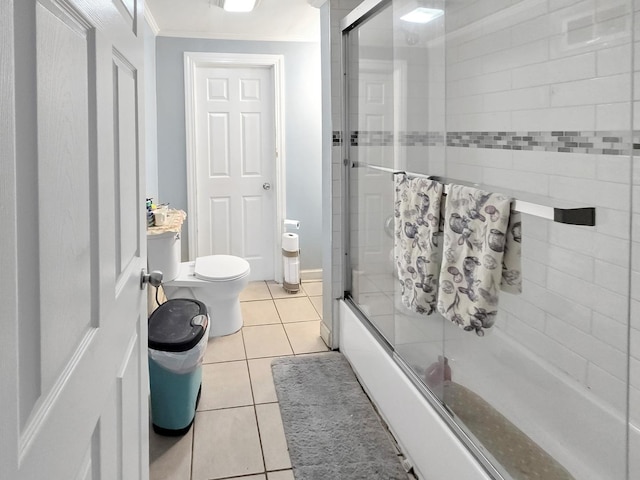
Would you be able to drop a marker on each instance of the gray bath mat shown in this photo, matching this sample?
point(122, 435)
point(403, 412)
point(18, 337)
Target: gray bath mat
point(332, 430)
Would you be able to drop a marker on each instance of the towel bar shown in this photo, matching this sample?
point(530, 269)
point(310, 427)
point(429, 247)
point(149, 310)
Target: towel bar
point(585, 216)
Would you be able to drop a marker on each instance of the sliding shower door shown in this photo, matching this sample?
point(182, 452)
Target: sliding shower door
point(533, 99)
point(373, 125)
point(396, 98)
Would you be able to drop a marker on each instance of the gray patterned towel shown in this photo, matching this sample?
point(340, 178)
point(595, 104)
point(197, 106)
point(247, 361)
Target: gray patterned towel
point(480, 234)
point(417, 256)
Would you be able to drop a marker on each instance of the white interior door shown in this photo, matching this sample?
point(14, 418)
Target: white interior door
point(235, 165)
point(375, 106)
point(73, 338)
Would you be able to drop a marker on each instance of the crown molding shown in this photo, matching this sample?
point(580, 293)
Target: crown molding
point(148, 16)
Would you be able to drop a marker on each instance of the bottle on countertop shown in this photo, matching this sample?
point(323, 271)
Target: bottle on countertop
point(151, 219)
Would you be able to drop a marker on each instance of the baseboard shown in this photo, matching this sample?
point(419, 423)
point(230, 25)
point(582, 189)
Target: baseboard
point(311, 275)
point(325, 334)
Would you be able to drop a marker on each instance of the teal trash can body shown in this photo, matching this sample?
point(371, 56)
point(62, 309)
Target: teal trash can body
point(178, 334)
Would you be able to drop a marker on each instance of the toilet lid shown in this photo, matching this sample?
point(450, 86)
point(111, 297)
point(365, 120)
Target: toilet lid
point(221, 267)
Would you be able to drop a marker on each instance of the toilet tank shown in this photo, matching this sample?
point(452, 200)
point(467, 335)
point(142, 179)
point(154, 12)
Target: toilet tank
point(164, 254)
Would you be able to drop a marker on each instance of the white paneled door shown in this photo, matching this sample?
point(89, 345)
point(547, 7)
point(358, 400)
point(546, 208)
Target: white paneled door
point(376, 122)
point(235, 165)
point(73, 368)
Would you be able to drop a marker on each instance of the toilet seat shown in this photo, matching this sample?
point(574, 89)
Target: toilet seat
point(221, 268)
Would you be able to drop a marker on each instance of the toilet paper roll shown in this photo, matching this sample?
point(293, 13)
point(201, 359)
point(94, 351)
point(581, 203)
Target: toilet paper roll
point(292, 223)
point(290, 242)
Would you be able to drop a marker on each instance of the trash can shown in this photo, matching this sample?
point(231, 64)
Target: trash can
point(178, 335)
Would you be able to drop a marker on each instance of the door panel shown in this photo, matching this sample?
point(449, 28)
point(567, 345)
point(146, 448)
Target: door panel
point(73, 342)
point(63, 171)
point(220, 221)
point(235, 157)
point(126, 162)
point(252, 208)
point(251, 135)
point(219, 145)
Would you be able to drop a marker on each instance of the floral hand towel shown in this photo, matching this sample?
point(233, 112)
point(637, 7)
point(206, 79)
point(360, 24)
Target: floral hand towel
point(477, 232)
point(417, 256)
point(511, 266)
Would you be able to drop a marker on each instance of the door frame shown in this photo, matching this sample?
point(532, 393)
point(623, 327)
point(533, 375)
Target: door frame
point(195, 60)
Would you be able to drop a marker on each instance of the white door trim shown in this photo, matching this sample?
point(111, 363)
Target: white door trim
point(195, 60)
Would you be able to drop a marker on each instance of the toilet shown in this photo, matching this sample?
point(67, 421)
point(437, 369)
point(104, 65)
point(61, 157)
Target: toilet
point(215, 280)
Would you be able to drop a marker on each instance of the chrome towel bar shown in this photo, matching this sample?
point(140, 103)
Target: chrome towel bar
point(572, 216)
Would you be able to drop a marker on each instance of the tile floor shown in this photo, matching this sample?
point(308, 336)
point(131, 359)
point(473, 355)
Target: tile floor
point(238, 433)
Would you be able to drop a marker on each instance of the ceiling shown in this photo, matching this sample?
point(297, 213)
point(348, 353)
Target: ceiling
point(271, 20)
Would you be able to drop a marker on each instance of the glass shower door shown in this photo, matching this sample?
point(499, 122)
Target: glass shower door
point(533, 99)
point(372, 129)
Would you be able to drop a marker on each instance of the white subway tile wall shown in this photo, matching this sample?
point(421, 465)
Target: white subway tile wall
point(540, 98)
point(552, 68)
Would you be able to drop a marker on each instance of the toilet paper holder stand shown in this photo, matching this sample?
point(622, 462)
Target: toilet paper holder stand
point(291, 258)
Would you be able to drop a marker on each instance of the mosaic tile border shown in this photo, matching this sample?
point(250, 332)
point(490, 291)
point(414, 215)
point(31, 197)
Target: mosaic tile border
point(569, 141)
point(590, 142)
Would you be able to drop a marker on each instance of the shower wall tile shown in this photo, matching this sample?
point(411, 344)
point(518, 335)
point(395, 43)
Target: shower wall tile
point(579, 190)
point(613, 223)
point(576, 165)
point(613, 116)
point(563, 118)
point(535, 316)
point(519, 99)
point(634, 443)
point(588, 294)
point(577, 67)
point(563, 358)
point(534, 183)
point(608, 387)
point(596, 90)
point(567, 260)
point(536, 271)
point(611, 331)
point(611, 168)
point(611, 249)
point(538, 228)
point(612, 277)
point(611, 360)
point(634, 394)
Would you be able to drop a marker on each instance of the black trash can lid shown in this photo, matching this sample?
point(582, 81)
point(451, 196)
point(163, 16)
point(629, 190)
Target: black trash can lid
point(177, 325)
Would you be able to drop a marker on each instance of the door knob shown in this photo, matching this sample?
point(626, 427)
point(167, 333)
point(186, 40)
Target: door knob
point(266, 186)
point(154, 278)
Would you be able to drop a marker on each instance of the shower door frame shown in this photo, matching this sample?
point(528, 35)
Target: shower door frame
point(359, 15)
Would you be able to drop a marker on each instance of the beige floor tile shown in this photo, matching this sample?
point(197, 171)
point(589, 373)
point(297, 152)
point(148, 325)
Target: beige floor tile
point(274, 443)
point(266, 341)
point(281, 475)
point(313, 289)
point(259, 312)
point(255, 291)
point(296, 310)
point(278, 292)
point(264, 391)
point(251, 477)
point(225, 349)
point(225, 385)
point(317, 304)
point(170, 457)
point(305, 337)
point(226, 444)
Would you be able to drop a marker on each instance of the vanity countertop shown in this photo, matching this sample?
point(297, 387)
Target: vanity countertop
point(173, 224)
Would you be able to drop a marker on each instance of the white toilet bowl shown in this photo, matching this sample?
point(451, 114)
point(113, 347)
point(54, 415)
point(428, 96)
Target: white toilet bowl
point(215, 280)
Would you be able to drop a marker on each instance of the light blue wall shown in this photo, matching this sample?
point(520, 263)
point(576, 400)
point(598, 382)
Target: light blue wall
point(151, 137)
point(303, 129)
